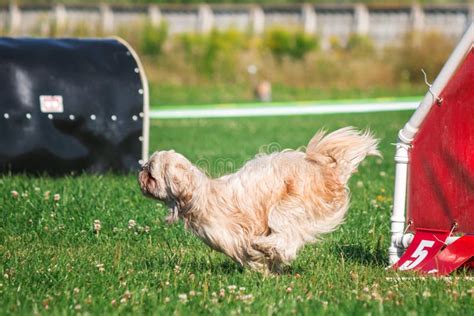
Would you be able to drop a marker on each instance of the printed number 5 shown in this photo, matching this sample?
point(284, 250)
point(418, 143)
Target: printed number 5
point(419, 255)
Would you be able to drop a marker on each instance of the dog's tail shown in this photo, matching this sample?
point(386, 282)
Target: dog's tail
point(343, 149)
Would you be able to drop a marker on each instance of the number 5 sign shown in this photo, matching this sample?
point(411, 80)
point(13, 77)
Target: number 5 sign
point(425, 245)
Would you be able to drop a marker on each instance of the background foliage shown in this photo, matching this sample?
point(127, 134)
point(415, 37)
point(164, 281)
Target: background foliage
point(213, 68)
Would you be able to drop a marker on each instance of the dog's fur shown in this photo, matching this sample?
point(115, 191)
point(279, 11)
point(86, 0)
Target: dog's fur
point(264, 213)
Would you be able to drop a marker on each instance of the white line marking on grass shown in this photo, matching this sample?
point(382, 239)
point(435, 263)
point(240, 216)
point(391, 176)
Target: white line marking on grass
point(284, 110)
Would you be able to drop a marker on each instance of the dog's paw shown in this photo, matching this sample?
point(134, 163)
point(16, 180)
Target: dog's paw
point(267, 249)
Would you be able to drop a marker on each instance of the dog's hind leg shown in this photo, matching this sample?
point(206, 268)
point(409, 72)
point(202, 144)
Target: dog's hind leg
point(290, 230)
point(276, 248)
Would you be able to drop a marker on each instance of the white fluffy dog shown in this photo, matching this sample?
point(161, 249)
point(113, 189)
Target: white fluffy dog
point(264, 213)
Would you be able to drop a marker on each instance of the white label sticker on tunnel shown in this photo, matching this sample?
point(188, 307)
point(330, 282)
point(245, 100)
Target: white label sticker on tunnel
point(51, 103)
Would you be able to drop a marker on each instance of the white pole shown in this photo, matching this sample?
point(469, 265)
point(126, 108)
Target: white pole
point(405, 138)
point(397, 226)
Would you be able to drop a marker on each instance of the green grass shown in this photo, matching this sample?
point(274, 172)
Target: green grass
point(53, 263)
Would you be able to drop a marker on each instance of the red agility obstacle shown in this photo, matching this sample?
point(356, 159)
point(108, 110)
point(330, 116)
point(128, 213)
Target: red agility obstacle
point(434, 182)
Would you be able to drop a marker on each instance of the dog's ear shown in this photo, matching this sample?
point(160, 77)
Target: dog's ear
point(180, 180)
point(146, 181)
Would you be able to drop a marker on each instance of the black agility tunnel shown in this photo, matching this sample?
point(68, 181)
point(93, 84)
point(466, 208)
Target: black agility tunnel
point(71, 105)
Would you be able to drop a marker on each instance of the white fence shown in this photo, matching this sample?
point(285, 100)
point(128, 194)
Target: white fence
point(382, 23)
point(283, 110)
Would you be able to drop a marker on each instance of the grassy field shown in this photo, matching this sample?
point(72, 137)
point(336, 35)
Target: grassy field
point(52, 262)
point(163, 94)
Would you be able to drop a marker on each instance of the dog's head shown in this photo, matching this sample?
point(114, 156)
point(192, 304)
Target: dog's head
point(169, 177)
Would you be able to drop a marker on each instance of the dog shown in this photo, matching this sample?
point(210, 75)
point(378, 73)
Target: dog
point(263, 214)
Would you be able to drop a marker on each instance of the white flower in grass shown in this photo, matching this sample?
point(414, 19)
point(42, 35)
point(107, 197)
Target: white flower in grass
point(97, 226)
point(232, 288)
point(177, 269)
point(56, 197)
point(247, 298)
point(47, 194)
point(167, 299)
point(325, 304)
point(14, 194)
point(383, 173)
point(100, 266)
point(360, 184)
point(127, 294)
point(147, 229)
point(125, 297)
point(131, 224)
point(183, 297)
